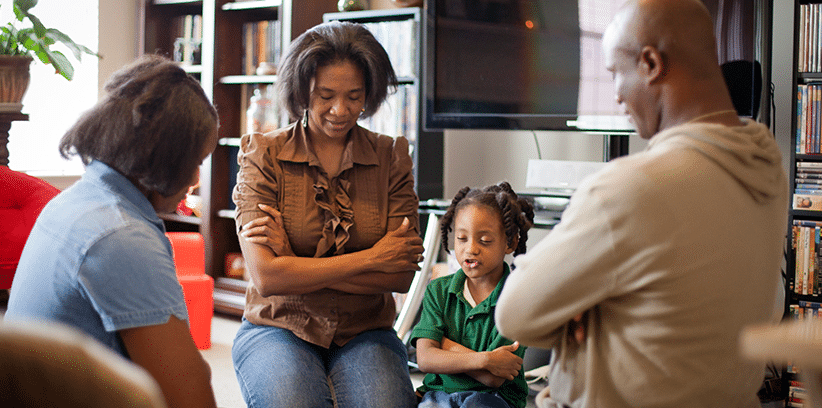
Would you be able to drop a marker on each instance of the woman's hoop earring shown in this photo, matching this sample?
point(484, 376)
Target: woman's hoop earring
point(305, 119)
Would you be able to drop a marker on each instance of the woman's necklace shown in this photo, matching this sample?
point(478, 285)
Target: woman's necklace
point(708, 115)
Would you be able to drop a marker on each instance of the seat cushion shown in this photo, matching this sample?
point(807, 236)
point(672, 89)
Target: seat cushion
point(22, 200)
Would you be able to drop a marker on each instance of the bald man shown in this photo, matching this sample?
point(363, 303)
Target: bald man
point(663, 256)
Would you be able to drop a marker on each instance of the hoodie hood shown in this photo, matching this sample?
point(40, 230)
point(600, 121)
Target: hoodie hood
point(749, 153)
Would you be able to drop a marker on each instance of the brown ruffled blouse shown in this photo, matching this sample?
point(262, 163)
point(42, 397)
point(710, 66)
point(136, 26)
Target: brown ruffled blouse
point(324, 217)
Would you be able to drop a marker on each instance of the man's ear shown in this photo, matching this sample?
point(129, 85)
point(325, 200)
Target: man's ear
point(653, 64)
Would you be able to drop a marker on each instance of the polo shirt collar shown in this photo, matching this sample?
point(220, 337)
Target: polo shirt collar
point(110, 179)
point(359, 149)
point(458, 284)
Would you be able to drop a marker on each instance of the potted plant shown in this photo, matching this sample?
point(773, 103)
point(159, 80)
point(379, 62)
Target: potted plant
point(19, 45)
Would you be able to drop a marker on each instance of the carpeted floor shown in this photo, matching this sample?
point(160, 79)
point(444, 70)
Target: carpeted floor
point(223, 380)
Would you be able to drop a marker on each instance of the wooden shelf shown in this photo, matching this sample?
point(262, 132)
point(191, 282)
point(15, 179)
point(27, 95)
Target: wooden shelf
point(248, 79)
point(192, 69)
point(222, 59)
point(185, 219)
point(229, 295)
point(810, 77)
point(178, 2)
point(229, 214)
point(229, 141)
point(252, 5)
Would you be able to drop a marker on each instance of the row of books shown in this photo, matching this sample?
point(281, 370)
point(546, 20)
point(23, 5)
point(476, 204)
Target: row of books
point(187, 31)
point(810, 38)
point(808, 249)
point(397, 116)
point(399, 40)
point(805, 309)
point(807, 194)
point(808, 118)
point(797, 395)
point(262, 47)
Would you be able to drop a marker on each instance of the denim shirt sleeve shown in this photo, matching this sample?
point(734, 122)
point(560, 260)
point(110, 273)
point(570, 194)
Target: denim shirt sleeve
point(130, 279)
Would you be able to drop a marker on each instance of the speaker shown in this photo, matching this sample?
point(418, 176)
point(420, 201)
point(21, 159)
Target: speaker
point(744, 81)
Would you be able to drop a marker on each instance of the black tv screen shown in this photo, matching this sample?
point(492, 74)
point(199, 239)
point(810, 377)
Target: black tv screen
point(537, 64)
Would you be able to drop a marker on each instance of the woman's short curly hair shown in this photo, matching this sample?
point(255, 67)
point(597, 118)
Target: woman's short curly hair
point(326, 44)
point(152, 126)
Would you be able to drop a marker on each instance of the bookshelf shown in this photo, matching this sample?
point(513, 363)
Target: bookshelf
point(400, 32)
point(804, 258)
point(220, 65)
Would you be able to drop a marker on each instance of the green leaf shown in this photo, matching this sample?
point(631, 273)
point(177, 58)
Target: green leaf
point(18, 14)
point(25, 5)
point(78, 50)
point(61, 64)
point(39, 28)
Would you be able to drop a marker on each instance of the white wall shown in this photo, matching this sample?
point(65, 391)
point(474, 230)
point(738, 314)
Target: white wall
point(479, 158)
point(118, 36)
point(782, 75)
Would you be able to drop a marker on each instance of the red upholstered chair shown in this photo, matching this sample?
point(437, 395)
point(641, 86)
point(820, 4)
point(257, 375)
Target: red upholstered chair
point(198, 288)
point(22, 197)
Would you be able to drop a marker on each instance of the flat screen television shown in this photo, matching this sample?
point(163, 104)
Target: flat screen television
point(537, 64)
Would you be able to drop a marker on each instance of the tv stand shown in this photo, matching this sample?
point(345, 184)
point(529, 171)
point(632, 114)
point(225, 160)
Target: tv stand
point(614, 146)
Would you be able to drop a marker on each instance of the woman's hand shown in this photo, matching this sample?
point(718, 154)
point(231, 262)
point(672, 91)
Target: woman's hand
point(399, 250)
point(268, 231)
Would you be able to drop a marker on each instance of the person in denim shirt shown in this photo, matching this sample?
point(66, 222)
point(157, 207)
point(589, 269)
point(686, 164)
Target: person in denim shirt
point(97, 258)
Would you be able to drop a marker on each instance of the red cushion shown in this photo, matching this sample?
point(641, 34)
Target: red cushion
point(189, 253)
point(22, 199)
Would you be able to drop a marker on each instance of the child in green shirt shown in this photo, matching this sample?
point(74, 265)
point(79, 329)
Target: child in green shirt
point(468, 362)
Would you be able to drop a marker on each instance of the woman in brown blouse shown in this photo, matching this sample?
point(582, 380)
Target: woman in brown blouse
point(328, 225)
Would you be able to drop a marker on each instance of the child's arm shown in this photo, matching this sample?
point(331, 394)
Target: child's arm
point(483, 376)
point(441, 358)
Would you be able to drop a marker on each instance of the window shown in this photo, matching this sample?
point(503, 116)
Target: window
point(52, 103)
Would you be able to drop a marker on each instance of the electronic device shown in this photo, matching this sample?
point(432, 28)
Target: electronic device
point(537, 64)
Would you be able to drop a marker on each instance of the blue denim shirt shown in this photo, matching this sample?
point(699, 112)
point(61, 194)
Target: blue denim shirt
point(97, 259)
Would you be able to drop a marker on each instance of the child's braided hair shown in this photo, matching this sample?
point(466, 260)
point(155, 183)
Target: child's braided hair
point(517, 213)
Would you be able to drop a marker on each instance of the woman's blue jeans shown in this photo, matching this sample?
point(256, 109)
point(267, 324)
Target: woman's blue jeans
point(275, 368)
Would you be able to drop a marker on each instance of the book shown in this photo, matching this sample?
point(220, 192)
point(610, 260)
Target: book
point(806, 115)
point(809, 304)
point(261, 45)
point(801, 57)
point(806, 250)
point(813, 275)
point(800, 146)
point(816, 92)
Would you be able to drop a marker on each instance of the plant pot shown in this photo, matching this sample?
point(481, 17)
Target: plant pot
point(14, 81)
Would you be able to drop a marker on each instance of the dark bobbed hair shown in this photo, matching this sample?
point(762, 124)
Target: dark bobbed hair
point(330, 43)
point(152, 126)
point(517, 213)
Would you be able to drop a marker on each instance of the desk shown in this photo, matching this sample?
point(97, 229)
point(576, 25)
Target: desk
point(431, 243)
point(5, 124)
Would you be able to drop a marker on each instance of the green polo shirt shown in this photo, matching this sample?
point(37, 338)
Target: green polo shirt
point(446, 313)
